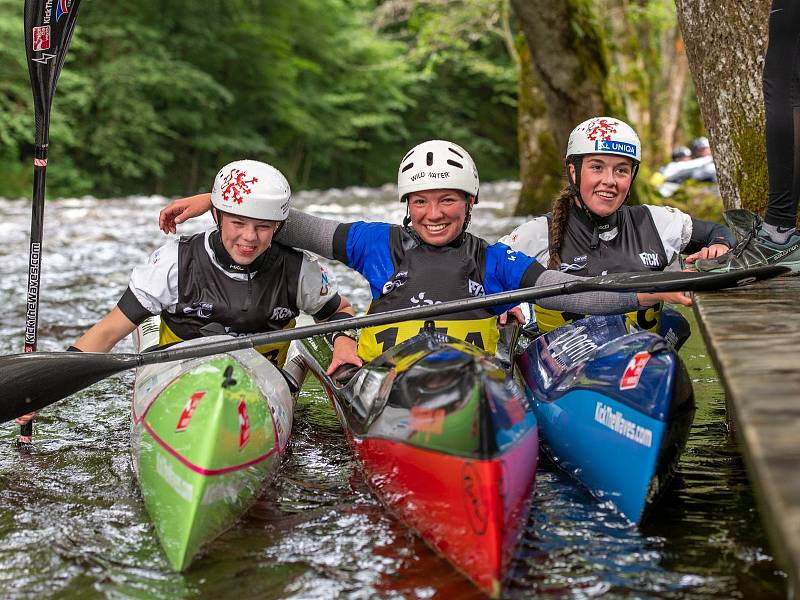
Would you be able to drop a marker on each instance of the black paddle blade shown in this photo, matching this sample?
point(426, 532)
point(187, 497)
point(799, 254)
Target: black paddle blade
point(48, 30)
point(34, 380)
point(687, 281)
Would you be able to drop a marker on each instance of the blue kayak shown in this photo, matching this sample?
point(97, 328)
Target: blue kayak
point(614, 407)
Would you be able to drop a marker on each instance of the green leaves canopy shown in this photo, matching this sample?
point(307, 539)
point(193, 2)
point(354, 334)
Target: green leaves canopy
point(156, 96)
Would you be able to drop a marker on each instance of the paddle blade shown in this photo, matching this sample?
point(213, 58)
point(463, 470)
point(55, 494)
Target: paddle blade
point(34, 380)
point(48, 30)
point(686, 281)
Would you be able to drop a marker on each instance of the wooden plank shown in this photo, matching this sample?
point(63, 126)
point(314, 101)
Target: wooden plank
point(753, 336)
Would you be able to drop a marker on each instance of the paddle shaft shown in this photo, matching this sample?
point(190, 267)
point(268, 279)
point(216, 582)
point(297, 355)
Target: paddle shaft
point(35, 380)
point(639, 282)
point(48, 30)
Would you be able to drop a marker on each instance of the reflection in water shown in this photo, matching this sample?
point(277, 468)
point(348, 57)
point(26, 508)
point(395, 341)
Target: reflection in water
point(72, 522)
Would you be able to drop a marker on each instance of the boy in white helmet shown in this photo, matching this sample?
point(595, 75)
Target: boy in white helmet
point(592, 231)
point(430, 258)
point(231, 278)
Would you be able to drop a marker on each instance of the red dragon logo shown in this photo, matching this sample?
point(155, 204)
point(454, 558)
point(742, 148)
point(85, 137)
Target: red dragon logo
point(601, 129)
point(235, 187)
point(41, 38)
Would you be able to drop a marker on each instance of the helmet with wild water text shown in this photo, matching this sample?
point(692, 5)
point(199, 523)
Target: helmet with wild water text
point(437, 164)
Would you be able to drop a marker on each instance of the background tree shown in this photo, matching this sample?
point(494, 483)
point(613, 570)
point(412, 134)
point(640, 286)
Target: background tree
point(726, 48)
point(462, 53)
point(156, 96)
point(651, 70)
point(571, 61)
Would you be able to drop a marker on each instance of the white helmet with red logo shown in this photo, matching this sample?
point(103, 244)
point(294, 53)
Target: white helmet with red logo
point(434, 165)
point(253, 189)
point(604, 135)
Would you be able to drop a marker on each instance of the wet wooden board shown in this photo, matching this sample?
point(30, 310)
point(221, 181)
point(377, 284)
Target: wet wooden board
point(753, 336)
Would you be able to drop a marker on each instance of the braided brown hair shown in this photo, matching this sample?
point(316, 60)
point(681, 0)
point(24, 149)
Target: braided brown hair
point(558, 225)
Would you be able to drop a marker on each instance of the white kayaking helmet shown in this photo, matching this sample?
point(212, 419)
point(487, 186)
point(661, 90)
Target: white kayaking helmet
point(437, 164)
point(604, 135)
point(253, 189)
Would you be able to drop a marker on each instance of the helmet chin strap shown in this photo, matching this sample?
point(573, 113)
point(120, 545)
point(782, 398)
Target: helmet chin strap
point(468, 217)
point(575, 190)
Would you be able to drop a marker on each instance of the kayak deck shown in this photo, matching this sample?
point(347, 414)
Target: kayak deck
point(615, 408)
point(207, 434)
point(447, 442)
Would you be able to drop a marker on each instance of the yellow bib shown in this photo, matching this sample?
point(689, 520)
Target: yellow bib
point(647, 319)
point(275, 353)
point(374, 341)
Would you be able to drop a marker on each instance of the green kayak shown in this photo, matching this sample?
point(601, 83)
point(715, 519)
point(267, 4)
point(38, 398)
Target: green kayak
point(207, 435)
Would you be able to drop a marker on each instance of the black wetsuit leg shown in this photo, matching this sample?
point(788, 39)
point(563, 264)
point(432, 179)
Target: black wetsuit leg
point(781, 82)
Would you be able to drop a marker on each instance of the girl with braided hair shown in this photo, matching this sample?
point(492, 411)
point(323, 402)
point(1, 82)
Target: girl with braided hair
point(592, 231)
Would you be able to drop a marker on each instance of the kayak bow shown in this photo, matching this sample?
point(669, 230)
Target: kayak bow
point(207, 434)
point(615, 408)
point(447, 442)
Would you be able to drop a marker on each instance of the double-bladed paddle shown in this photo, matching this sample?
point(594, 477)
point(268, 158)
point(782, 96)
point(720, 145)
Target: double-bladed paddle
point(48, 30)
point(32, 381)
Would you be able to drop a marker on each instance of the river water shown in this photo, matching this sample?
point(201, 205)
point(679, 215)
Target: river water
point(72, 523)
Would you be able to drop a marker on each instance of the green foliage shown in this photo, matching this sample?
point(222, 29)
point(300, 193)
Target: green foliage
point(156, 95)
point(16, 105)
point(701, 200)
point(466, 88)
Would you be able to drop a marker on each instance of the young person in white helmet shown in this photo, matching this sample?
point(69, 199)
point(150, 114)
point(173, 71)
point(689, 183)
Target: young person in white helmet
point(592, 231)
point(231, 278)
point(431, 257)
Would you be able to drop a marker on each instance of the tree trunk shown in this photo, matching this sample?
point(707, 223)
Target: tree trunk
point(676, 78)
point(650, 69)
point(725, 44)
point(540, 163)
point(571, 61)
point(571, 64)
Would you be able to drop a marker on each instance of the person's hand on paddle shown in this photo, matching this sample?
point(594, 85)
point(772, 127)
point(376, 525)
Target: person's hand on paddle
point(712, 251)
point(345, 352)
point(508, 317)
point(182, 209)
point(23, 419)
point(647, 299)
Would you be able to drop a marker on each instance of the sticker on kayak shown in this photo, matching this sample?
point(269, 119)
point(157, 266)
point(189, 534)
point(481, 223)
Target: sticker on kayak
point(188, 410)
point(615, 420)
point(572, 346)
point(633, 372)
point(244, 424)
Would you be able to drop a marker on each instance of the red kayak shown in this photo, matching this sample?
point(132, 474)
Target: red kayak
point(447, 441)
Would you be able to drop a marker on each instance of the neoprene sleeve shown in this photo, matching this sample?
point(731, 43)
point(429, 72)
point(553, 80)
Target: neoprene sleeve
point(705, 233)
point(307, 232)
point(586, 303)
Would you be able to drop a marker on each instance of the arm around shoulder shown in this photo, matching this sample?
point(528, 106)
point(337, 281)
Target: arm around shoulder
point(182, 209)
